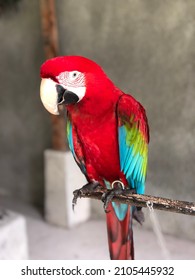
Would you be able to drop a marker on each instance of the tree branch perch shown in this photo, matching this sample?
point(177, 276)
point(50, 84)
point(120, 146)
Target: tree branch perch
point(159, 203)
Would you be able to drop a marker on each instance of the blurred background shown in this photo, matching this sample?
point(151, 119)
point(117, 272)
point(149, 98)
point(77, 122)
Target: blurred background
point(147, 48)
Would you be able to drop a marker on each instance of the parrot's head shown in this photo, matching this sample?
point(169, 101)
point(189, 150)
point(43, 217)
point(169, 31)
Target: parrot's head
point(77, 82)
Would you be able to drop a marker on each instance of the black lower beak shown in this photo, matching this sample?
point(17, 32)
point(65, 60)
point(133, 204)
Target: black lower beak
point(65, 96)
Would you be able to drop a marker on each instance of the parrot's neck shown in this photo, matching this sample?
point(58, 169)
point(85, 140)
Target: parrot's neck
point(90, 109)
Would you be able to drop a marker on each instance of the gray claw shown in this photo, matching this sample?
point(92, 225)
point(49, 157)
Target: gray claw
point(89, 187)
point(138, 215)
point(108, 196)
point(76, 195)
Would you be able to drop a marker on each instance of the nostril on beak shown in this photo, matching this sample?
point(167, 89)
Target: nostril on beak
point(60, 91)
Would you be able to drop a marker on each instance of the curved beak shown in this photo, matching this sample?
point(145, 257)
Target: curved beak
point(66, 96)
point(49, 96)
point(53, 94)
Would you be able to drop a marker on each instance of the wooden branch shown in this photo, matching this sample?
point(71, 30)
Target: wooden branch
point(51, 48)
point(159, 203)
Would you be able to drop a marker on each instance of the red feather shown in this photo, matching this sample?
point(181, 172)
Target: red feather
point(120, 235)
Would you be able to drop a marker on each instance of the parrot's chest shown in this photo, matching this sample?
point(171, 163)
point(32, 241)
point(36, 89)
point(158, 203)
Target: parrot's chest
point(100, 148)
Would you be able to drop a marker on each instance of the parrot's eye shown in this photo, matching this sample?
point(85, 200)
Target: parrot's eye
point(73, 75)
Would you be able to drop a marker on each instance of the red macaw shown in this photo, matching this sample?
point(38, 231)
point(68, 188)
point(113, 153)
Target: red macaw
point(108, 135)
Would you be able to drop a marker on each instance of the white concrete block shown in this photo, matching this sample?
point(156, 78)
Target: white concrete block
point(62, 177)
point(13, 237)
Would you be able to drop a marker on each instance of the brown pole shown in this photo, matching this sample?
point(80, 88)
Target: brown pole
point(159, 203)
point(51, 48)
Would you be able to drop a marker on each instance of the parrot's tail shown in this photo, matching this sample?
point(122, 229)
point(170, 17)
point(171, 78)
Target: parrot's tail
point(120, 233)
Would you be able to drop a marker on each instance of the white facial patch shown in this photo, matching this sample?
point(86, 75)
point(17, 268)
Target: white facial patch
point(73, 81)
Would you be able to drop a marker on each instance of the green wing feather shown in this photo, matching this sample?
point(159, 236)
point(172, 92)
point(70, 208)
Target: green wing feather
point(133, 141)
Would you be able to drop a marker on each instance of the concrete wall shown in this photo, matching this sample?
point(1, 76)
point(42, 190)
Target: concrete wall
point(146, 47)
point(25, 128)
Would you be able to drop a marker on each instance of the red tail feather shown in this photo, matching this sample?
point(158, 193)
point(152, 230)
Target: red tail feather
point(120, 235)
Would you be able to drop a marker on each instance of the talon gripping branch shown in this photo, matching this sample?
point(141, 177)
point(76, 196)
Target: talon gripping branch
point(108, 135)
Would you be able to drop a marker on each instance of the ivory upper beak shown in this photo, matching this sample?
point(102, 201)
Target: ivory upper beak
point(49, 96)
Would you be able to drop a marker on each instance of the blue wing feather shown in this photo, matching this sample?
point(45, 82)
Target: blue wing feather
point(133, 147)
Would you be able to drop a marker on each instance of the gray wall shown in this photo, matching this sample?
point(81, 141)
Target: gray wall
point(146, 47)
point(25, 129)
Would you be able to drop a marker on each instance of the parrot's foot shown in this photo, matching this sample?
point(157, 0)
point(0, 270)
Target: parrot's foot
point(89, 187)
point(138, 215)
point(108, 196)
